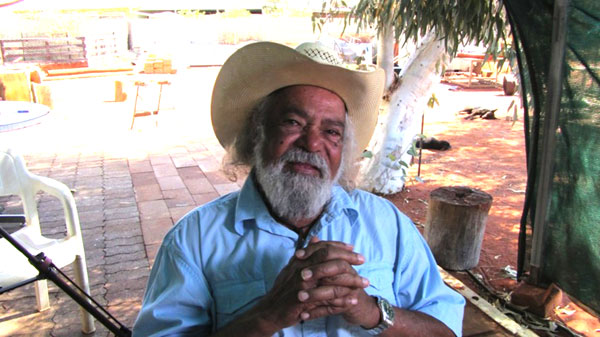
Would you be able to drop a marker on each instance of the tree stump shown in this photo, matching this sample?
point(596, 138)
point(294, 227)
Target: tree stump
point(455, 225)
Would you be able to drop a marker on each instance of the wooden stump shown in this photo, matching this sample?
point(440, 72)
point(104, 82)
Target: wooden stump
point(42, 94)
point(455, 225)
point(120, 96)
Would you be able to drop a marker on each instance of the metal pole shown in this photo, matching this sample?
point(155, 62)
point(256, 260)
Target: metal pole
point(555, 80)
point(421, 142)
point(46, 270)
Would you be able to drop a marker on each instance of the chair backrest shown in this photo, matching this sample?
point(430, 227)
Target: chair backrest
point(15, 179)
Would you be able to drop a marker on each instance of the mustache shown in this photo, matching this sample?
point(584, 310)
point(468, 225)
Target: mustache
point(295, 196)
point(297, 155)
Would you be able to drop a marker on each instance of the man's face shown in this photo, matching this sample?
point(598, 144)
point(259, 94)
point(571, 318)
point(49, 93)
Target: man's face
point(307, 118)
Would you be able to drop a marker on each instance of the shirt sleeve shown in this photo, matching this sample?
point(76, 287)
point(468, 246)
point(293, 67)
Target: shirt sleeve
point(417, 281)
point(177, 301)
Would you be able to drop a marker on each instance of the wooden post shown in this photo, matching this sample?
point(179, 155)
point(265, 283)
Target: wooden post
point(120, 96)
point(42, 94)
point(3, 52)
point(455, 225)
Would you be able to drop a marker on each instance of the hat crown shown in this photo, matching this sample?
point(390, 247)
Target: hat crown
point(258, 69)
point(320, 53)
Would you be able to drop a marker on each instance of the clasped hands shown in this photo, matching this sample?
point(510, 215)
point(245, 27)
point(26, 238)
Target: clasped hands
point(319, 281)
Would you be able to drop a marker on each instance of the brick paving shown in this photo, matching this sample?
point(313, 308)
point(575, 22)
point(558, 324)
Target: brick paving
point(125, 208)
point(130, 186)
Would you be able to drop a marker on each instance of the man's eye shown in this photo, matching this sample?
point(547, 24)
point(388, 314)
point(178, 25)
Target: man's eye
point(334, 133)
point(291, 122)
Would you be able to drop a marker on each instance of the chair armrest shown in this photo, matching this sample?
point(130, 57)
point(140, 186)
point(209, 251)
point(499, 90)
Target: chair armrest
point(63, 193)
point(12, 218)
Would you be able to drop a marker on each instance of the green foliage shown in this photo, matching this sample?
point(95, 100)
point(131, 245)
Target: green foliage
point(236, 13)
point(413, 148)
point(432, 101)
point(190, 13)
point(282, 8)
point(273, 7)
point(330, 9)
point(455, 22)
point(398, 163)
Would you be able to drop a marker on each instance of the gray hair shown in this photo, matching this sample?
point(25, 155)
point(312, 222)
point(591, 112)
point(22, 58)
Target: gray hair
point(242, 153)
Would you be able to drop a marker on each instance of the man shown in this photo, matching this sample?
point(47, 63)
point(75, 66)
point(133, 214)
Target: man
point(294, 253)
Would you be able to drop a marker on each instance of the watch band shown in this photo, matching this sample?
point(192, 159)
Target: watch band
point(387, 316)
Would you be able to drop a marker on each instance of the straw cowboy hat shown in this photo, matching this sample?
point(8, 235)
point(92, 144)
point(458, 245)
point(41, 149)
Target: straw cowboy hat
point(256, 70)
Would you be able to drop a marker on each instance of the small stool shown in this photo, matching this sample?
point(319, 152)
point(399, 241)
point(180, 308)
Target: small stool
point(143, 113)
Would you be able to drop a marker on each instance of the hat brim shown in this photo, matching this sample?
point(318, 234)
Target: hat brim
point(256, 70)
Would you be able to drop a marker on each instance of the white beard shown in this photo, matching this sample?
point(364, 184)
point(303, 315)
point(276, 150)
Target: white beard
point(294, 196)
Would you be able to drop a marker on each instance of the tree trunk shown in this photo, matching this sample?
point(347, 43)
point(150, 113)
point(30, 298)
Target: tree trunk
point(385, 54)
point(394, 135)
point(455, 225)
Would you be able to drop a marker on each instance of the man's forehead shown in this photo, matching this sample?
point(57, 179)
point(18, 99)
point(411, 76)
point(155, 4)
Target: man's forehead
point(287, 96)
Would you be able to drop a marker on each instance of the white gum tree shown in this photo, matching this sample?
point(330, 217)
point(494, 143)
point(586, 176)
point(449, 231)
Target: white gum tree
point(436, 28)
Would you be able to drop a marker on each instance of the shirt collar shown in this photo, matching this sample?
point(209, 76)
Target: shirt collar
point(251, 210)
point(340, 203)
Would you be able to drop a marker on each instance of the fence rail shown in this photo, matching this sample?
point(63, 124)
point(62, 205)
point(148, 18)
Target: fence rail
point(44, 50)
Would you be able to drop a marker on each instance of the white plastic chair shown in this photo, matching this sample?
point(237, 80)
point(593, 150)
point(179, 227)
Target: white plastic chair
point(15, 179)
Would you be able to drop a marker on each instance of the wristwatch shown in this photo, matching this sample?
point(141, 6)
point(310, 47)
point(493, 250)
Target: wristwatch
point(387, 316)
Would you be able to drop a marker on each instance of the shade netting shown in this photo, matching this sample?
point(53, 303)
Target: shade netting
point(571, 246)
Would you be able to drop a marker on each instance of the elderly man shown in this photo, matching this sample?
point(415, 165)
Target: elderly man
point(297, 251)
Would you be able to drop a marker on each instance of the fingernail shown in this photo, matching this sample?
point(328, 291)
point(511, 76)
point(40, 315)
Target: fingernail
point(306, 274)
point(365, 282)
point(361, 258)
point(353, 301)
point(304, 316)
point(302, 296)
point(300, 253)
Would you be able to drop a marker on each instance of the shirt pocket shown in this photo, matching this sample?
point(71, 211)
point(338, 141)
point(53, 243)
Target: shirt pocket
point(381, 279)
point(232, 298)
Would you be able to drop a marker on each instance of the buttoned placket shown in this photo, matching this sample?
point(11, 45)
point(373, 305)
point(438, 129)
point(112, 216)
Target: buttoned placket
point(311, 328)
point(317, 327)
point(323, 222)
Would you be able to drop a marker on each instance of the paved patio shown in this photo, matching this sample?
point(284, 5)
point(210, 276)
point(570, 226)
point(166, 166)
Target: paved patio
point(130, 187)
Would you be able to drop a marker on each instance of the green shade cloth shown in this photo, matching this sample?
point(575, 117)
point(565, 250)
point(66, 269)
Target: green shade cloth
point(572, 245)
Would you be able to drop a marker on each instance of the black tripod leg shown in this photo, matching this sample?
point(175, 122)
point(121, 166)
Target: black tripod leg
point(47, 271)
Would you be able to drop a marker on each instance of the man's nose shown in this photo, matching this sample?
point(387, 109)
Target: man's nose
point(311, 140)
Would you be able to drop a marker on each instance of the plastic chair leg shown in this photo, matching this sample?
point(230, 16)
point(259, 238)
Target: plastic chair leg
point(81, 278)
point(41, 295)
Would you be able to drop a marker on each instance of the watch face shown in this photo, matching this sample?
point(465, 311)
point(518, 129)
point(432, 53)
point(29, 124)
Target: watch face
point(387, 311)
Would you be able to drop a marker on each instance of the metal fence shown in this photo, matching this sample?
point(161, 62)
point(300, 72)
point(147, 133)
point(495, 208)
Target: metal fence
point(44, 50)
point(63, 50)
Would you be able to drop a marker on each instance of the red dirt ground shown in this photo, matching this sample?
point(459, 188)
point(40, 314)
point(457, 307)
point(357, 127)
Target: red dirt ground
point(488, 155)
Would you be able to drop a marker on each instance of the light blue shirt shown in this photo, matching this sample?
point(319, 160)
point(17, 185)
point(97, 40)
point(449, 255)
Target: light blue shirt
point(222, 257)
